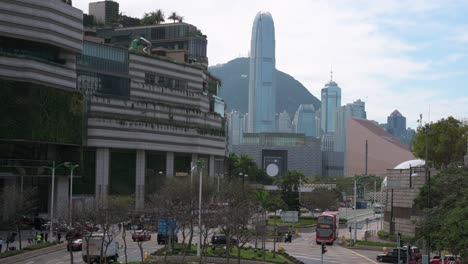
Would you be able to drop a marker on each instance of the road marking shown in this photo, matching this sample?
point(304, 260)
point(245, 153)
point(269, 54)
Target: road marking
point(331, 261)
point(354, 252)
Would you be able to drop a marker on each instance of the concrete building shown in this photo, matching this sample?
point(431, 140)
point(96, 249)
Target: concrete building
point(42, 111)
point(357, 109)
point(236, 127)
point(401, 186)
point(152, 120)
point(277, 153)
point(304, 120)
point(262, 75)
point(331, 101)
point(104, 12)
point(284, 122)
point(182, 38)
point(383, 150)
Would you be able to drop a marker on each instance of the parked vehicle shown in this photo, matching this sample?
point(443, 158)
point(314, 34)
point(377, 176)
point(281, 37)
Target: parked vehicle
point(95, 243)
point(167, 229)
point(392, 256)
point(221, 239)
point(449, 259)
point(327, 228)
point(76, 245)
point(378, 208)
point(141, 235)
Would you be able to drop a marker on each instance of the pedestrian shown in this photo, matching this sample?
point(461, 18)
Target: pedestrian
point(30, 238)
point(46, 236)
point(120, 227)
point(38, 238)
point(59, 236)
point(42, 236)
point(1, 244)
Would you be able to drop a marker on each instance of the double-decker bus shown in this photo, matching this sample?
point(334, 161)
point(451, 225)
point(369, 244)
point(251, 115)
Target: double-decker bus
point(327, 228)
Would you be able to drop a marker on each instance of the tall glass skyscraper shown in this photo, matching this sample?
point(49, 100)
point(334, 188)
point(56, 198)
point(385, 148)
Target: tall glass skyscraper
point(262, 77)
point(331, 100)
point(304, 120)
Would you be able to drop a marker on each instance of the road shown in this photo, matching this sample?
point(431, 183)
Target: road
point(63, 256)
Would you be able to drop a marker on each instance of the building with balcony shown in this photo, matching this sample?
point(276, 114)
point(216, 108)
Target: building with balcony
point(42, 111)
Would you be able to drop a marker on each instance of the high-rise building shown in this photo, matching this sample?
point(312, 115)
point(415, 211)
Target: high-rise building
point(331, 100)
point(284, 122)
point(262, 79)
point(304, 120)
point(357, 109)
point(236, 127)
point(104, 12)
point(396, 125)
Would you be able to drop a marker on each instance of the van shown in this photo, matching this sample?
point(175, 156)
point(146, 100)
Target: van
point(95, 243)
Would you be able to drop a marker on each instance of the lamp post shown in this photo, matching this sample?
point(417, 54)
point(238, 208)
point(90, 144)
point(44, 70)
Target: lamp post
point(201, 165)
point(71, 167)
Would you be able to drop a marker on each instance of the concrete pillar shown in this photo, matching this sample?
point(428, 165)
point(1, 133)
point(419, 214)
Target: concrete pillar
point(170, 164)
point(211, 169)
point(102, 175)
point(140, 179)
point(61, 197)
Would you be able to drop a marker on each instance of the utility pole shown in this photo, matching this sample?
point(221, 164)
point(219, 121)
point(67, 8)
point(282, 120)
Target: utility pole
point(367, 152)
point(355, 208)
point(201, 165)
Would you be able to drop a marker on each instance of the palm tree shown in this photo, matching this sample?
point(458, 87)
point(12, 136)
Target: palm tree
point(173, 16)
point(159, 16)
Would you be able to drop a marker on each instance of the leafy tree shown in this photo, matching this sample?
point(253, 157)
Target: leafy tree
point(153, 18)
point(174, 16)
point(445, 205)
point(289, 185)
point(321, 198)
point(446, 142)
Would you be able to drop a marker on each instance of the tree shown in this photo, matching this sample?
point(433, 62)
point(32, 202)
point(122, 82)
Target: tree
point(180, 19)
point(153, 18)
point(289, 185)
point(321, 198)
point(445, 203)
point(174, 16)
point(446, 140)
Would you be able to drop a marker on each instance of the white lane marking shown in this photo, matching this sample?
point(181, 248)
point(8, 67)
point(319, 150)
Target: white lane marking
point(331, 261)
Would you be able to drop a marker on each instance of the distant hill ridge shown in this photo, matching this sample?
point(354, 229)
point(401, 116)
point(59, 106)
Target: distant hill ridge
point(290, 93)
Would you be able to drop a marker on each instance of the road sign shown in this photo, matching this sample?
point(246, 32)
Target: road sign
point(290, 216)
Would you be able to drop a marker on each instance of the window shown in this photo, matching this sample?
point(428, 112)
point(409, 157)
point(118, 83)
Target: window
point(150, 78)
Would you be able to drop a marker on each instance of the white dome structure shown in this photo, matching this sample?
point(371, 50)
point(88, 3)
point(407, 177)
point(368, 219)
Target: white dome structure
point(410, 163)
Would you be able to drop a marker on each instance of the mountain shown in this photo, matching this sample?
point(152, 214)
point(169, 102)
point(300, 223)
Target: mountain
point(290, 93)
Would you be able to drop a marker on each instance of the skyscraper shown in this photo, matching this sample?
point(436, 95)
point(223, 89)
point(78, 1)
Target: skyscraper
point(357, 109)
point(304, 120)
point(396, 125)
point(331, 100)
point(284, 122)
point(262, 79)
point(104, 12)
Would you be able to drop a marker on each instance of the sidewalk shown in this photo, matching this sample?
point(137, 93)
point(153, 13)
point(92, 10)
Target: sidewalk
point(20, 258)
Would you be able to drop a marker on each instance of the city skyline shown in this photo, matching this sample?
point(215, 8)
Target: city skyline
point(391, 54)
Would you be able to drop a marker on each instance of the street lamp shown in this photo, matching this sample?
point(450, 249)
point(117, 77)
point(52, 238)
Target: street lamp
point(71, 167)
point(201, 165)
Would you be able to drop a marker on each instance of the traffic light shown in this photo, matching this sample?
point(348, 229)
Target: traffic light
point(324, 248)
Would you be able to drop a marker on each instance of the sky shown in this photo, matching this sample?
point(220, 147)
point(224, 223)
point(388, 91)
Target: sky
point(409, 55)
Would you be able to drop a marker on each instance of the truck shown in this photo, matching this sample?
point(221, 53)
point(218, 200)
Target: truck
point(327, 228)
point(95, 244)
point(167, 231)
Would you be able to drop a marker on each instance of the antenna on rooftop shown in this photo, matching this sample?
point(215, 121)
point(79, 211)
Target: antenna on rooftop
point(331, 73)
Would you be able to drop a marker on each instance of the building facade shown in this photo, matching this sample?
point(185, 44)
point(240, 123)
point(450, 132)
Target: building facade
point(396, 125)
point(104, 12)
point(284, 122)
point(277, 153)
point(42, 111)
point(236, 127)
point(331, 101)
point(262, 75)
point(304, 120)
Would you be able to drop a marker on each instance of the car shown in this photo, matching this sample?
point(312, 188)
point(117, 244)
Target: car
point(164, 239)
point(448, 259)
point(415, 252)
point(76, 245)
point(220, 239)
point(141, 236)
point(392, 256)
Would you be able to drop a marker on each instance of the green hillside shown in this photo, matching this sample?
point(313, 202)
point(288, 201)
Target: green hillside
point(235, 84)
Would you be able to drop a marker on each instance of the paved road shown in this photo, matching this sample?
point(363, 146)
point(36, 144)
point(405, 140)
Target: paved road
point(63, 256)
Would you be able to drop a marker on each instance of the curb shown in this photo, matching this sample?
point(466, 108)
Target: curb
point(35, 253)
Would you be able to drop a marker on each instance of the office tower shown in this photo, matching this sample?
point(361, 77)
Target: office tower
point(304, 120)
point(284, 122)
point(331, 100)
point(262, 79)
point(236, 127)
point(396, 125)
point(104, 12)
point(357, 109)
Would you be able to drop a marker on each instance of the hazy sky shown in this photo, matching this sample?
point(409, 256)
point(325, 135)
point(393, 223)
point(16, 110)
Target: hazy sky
point(406, 55)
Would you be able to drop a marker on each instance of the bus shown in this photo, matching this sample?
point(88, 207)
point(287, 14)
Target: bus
point(327, 228)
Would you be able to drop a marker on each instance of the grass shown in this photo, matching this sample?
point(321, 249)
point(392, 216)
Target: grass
point(377, 244)
point(248, 253)
point(304, 221)
point(25, 249)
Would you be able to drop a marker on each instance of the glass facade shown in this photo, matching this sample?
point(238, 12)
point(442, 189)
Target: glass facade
point(274, 139)
point(331, 100)
point(164, 81)
point(30, 50)
point(262, 77)
point(305, 120)
point(101, 70)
